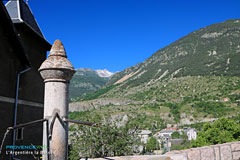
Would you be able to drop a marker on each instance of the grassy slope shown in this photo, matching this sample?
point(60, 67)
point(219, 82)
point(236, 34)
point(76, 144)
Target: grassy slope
point(195, 98)
point(85, 81)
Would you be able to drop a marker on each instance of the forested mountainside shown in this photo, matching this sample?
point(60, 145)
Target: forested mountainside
point(87, 80)
point(195, 79)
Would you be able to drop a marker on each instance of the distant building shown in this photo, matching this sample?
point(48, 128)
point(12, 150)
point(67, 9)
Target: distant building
point(167, 132)
point(191, 133)
point(144, 135)
point(23, 48)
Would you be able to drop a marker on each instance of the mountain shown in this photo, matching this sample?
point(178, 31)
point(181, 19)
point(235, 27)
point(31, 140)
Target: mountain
point(195, 79)
point(212, 50)
point(104, 73)
point(86, 80)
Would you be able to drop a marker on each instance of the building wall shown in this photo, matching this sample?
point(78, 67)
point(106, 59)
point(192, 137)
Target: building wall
point(35, 46)
point(36, 50)
point(192, 134)
point(144, 138)
point(31, 90)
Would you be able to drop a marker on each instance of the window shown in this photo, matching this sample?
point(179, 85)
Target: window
point(19, 134)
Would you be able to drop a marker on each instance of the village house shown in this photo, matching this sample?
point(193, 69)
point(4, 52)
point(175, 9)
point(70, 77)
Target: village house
point(191, 133)
point(167, 132)
point(23, 48)
point(164, 136)
point(144, 135)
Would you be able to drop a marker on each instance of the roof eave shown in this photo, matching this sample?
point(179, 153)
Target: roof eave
point(46, 43)
point(14, 34)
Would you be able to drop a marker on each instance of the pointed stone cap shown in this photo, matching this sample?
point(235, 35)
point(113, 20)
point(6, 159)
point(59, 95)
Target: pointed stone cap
point(57, 49)
point(57, 67)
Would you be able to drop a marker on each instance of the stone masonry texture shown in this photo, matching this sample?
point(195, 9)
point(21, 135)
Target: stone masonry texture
point(226, 151)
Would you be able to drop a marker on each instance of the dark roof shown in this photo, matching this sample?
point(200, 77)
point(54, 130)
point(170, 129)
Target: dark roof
point(12, 36)
point(20, 12)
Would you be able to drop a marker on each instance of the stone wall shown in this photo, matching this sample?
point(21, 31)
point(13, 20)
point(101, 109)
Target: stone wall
point(226, 151)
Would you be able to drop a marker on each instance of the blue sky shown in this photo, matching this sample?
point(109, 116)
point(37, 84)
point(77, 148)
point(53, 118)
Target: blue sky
point(116, 34)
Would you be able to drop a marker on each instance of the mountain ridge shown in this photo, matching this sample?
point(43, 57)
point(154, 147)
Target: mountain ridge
point(104, 73)
point(193, 79)
point(201, 38)
point(87, 80)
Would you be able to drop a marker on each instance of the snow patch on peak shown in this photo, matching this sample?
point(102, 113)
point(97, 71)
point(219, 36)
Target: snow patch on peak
point(104, 73)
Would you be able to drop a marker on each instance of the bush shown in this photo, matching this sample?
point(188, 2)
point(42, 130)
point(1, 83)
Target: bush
point(175, 135)
point(152, 144)
point(175, 110)
point(216, 109)
point(221, 131)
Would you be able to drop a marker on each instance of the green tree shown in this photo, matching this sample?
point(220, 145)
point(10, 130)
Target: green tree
point(221, 131)
point(152, 144)
point(107, 140)
point(175, 135)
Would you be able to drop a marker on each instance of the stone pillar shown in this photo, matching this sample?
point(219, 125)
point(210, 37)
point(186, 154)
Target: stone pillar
point(56, 71)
